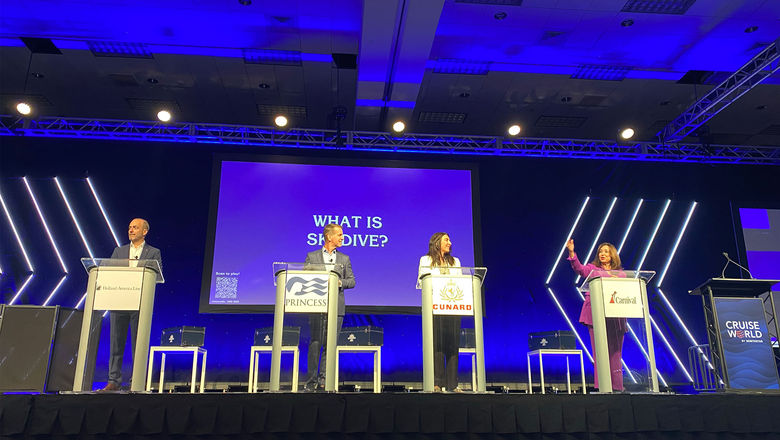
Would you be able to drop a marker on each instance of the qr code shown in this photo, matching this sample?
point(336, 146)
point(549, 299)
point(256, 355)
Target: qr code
point(227, 287)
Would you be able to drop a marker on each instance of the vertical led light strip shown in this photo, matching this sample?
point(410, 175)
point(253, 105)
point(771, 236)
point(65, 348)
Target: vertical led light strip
point(568, 321)
point(652, 237)
point(571, 231)
point(78, 228)
point(630, 225)
point(54, 291)
point(45, 224)
point(16, 234)
point(51, 294)
point(676, 244)
point(73, 217)
point(671, 350)
point(598, 234)
point(24, 252)
point(103, 211)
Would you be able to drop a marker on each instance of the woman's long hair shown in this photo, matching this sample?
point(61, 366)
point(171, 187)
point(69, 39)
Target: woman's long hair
point(613, 255)
point(434, 251)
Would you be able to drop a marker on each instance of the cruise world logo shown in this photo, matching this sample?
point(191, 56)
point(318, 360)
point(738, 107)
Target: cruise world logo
point(300, 286)
point(747, 331)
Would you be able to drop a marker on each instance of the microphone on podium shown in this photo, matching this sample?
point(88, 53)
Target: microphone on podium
point(729, 260)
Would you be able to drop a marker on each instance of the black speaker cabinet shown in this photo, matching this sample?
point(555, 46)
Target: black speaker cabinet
point(38, 347)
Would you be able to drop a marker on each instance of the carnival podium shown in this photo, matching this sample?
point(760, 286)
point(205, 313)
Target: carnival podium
point(119, 284)
point(741, 322)
point(621, 294)
point(452, 293)
point(306, 288)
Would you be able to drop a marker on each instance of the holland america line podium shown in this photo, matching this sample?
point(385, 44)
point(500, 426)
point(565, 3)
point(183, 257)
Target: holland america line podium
point(620, 294)
point(452, 293)
point(306, 288)
point(120, 284)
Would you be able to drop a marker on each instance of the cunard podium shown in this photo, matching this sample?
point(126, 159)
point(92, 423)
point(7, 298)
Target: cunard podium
point(452, 293)
point(306, 288)
point(741, 322)
point(119, 284)
point(620, 294)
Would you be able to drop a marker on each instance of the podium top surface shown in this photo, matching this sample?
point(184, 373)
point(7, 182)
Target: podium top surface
point(735, 287)
point(91, 263)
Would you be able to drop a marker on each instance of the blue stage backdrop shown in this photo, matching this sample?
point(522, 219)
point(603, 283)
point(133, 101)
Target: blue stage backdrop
point(675, 219)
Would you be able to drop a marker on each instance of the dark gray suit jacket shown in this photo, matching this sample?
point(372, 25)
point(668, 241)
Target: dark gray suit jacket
point(149, 252)
point(345, 273)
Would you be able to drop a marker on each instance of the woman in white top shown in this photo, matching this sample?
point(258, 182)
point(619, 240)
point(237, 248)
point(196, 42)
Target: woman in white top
point(446, 329)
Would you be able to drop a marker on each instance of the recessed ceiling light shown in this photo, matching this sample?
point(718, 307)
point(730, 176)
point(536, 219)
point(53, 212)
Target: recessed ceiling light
point(37, 75)
point(514, 130)
point(566, 99)
point(627, 22)
point(164, 115)
point(23, 108)
point(499, 15)
point(264, 86)
point(152, 81)
point(281, 121)
point(627, 133)
point(399, 126)
point(751, 29)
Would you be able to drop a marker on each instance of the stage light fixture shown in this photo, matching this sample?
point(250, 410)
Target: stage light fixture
point(513, 130)
point(164, 115)
point(627, 133)
point(281, 121)
point(399, 126)
point(23, 108)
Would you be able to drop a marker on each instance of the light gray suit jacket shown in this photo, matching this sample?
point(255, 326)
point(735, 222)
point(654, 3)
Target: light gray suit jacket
point(345, 272)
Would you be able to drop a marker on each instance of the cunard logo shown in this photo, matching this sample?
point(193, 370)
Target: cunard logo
point(451, 292)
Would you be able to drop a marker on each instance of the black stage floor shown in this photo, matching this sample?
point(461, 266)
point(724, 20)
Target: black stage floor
point(390, 416)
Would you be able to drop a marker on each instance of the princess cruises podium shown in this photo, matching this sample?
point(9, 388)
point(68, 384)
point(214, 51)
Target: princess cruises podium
point(452, 293)
point(741, 323)
point(622, 295)
point(120, 284)
point(306, 288)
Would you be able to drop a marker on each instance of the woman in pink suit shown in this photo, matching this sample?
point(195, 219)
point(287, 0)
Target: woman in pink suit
point(606, 259)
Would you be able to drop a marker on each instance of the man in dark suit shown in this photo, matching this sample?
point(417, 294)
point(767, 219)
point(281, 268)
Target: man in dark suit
point(137, 249)
point(318, 323)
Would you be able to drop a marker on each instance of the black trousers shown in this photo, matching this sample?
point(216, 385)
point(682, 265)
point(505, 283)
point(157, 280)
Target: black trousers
point(446, 343)
point(317, 357)
point(121, 321)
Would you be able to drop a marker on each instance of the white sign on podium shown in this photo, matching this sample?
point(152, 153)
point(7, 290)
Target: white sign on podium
point(118, 289)
point(622, 298)
point(452, 295)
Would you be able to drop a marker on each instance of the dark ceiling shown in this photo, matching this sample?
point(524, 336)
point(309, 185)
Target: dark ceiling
point(561, 68)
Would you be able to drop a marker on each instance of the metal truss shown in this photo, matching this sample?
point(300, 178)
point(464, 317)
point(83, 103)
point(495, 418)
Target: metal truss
point(257, 136)
point(748, 76)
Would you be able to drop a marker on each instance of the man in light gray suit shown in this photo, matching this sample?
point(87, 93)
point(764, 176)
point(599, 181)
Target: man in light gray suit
point(318, 323)
point(137, 249)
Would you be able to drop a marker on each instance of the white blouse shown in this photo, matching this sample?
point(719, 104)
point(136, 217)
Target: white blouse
point(425, 267)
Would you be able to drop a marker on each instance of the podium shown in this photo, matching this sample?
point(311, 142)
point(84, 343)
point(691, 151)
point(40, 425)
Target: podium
point(620, 294)
point(452, 293)
point(119, 284)
point(741, 321)
point(306, 288)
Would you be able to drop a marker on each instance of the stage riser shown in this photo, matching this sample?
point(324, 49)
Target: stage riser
point(407, 415)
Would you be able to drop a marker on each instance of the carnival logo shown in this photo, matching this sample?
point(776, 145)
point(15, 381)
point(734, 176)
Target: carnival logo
point(451, 292)
point(300, 286)
point(614, 299)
